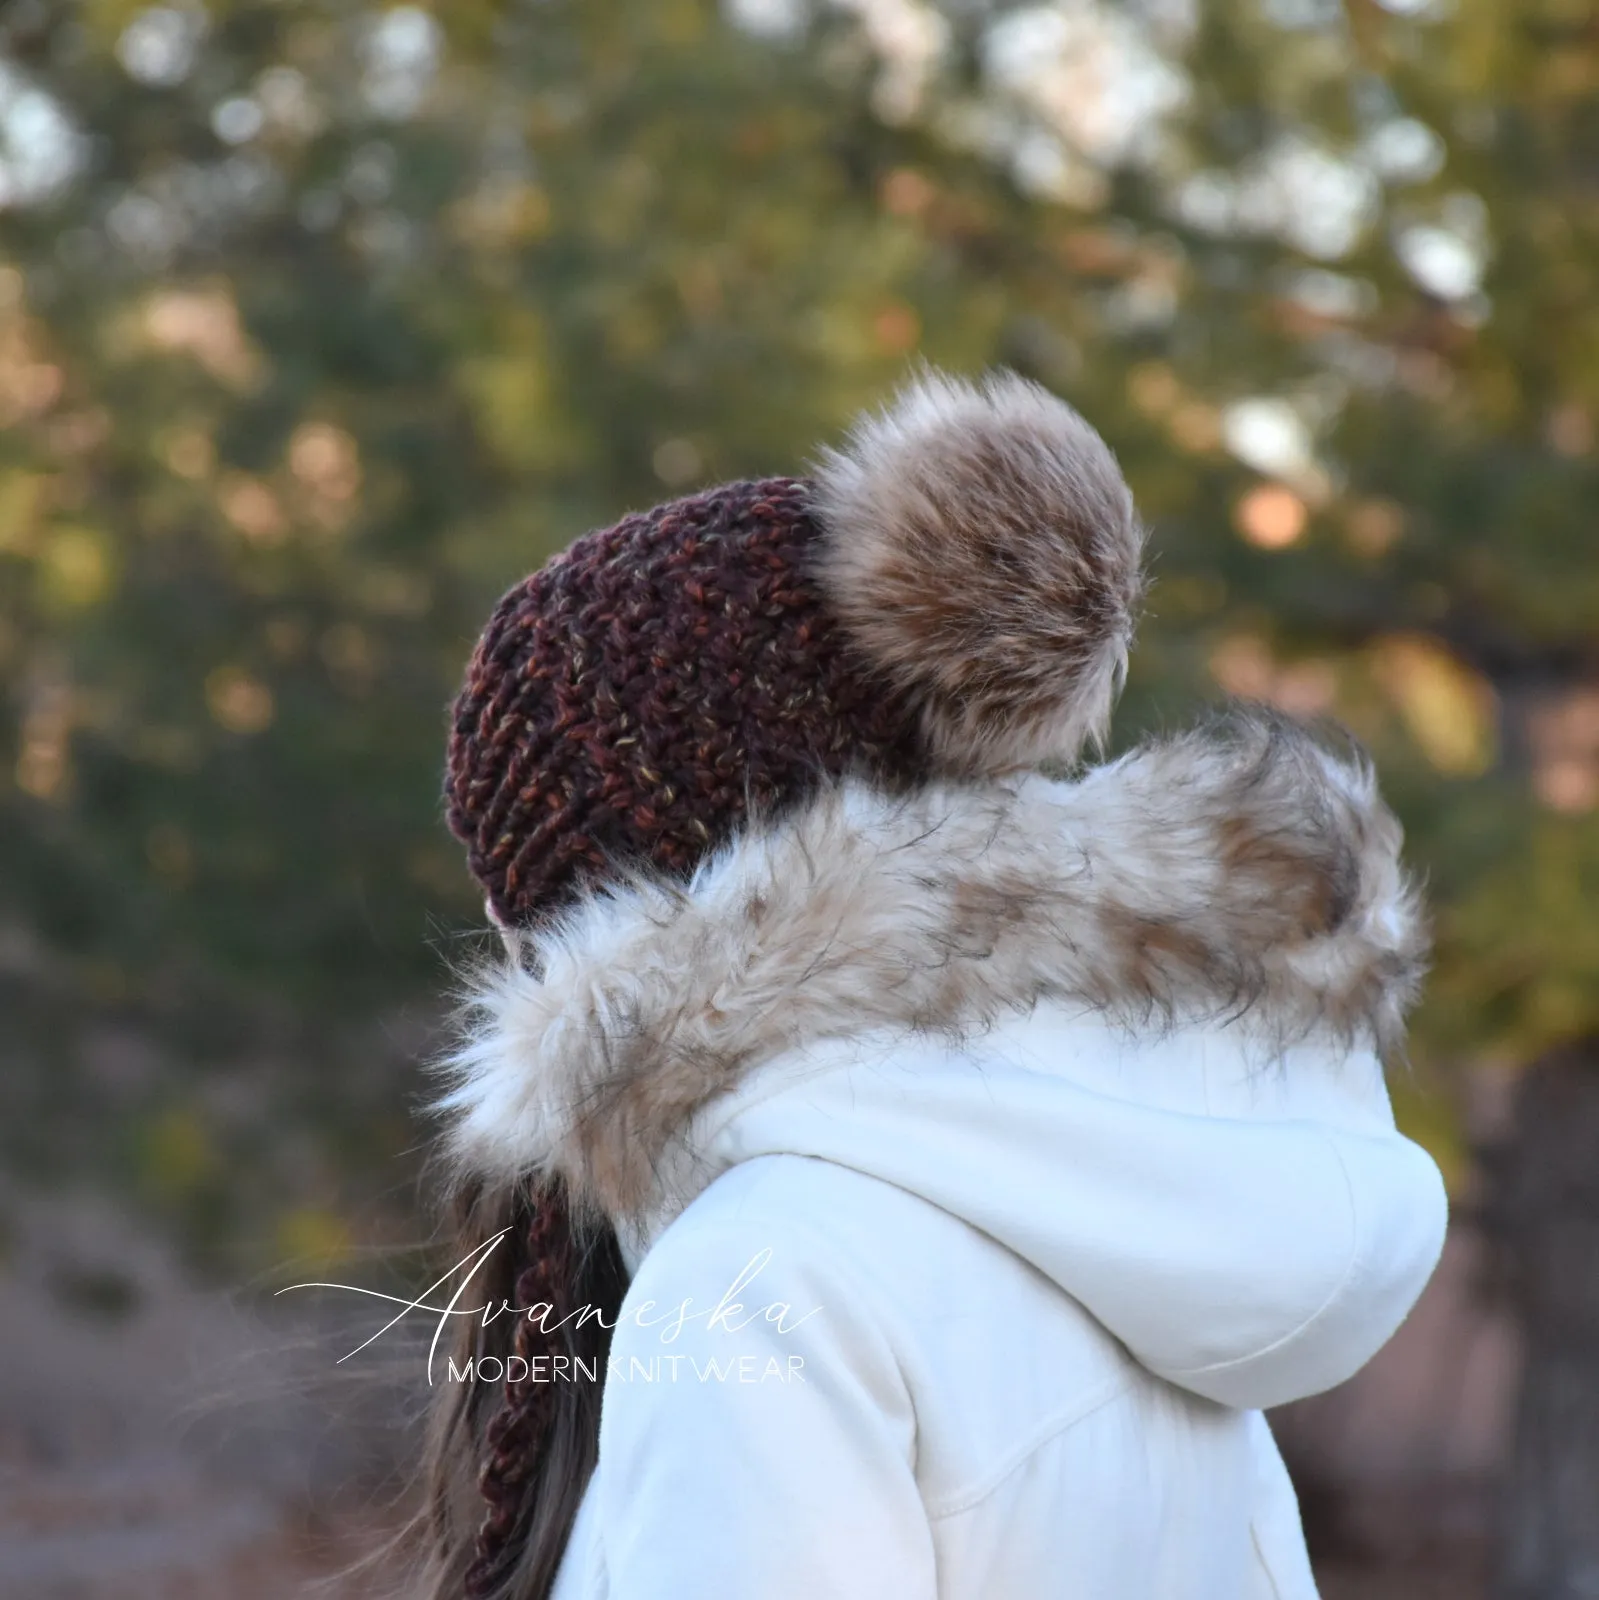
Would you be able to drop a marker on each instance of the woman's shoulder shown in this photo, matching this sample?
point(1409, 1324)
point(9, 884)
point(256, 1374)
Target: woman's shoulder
point(930, 1285)
point(804, 1215)
point(792, 1226)
point(857, 1287)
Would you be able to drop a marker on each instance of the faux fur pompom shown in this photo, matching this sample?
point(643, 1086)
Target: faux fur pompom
point(981, 548)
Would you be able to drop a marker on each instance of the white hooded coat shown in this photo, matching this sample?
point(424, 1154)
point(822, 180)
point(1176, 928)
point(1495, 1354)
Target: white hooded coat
point(986, 1160)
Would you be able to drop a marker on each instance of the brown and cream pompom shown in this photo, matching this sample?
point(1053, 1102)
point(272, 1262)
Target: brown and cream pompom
point(981, 549)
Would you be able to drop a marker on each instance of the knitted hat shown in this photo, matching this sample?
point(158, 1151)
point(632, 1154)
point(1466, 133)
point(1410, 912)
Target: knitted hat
point(951, 594)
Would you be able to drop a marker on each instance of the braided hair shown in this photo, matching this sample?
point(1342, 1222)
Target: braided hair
point(538, 1454)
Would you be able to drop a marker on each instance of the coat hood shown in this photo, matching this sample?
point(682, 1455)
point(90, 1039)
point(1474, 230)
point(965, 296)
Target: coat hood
point(1242, 869)
point(1043, 1006)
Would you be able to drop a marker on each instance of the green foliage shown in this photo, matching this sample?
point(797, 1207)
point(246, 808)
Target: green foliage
point(342, 319)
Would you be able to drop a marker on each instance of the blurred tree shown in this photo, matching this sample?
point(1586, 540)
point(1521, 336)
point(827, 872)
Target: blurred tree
point(1543, 1212)
point(321, 322)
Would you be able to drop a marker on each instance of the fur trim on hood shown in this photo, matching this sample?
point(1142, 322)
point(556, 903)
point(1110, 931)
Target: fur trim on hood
point(1241, 868)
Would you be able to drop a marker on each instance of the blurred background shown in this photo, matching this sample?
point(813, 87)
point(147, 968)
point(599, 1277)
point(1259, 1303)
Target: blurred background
point(322, 322)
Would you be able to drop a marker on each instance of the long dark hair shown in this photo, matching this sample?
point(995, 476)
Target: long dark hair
point(507, 1463)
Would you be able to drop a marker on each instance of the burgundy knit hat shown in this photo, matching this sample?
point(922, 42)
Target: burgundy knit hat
point(950, 595)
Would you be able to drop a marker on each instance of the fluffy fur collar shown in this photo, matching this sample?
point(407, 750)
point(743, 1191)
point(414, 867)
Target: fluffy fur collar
point(1239, 868)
